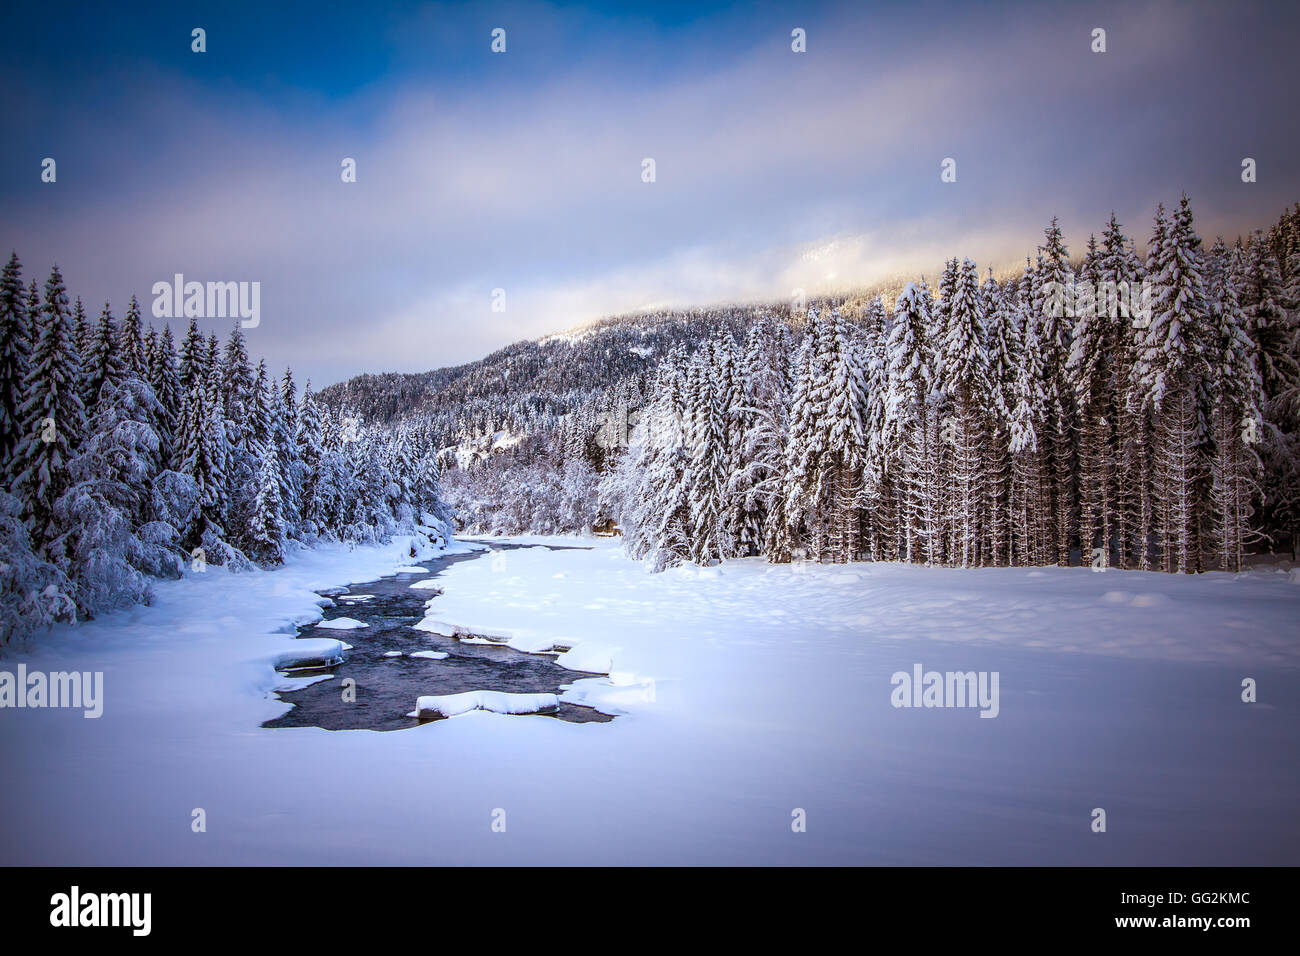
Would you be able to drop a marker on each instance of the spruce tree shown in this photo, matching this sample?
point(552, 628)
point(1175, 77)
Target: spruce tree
point(15, 356)
point(53, 417)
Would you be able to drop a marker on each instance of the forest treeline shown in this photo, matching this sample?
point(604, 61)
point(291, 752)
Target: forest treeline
point(127, 459)
point(1134, 412)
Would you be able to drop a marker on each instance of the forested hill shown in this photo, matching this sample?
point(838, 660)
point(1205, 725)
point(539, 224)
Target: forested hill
point(548, 371)
point(552, 371)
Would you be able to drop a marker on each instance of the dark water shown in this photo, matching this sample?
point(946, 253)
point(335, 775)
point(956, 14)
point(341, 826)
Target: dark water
point(388, 686)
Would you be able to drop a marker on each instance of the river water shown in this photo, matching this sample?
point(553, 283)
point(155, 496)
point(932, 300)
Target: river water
point(387, 686)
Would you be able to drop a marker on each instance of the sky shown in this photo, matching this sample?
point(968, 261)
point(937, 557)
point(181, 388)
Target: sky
point(522, 171)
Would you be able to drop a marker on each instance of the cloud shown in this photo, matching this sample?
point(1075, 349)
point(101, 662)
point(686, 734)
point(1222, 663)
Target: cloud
point(775, 170)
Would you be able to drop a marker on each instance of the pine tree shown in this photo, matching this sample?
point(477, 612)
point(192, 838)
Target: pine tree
point(34, 317)
point(1174, 368)
point(963, 376)
point(910, 419)
point(756, 481)
point(163, 377)
point(880, 492)
point(289, 466)
point(131, 347)
point(15, 356)
point(103, 363)
point(1002, 343)
point(267, 525)
point(805, 469)
point(1053, 280)
point(1029, 481)
point(203, 457)
point(193, 365)
point(1127, 311)
point(1090, 367)
point(846, 438)
point(1236, 388)
point(707, 474)
point(52, 414)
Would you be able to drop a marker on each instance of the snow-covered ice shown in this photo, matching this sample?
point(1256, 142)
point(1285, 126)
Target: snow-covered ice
point(430, 655)
point(342, 624)
point(453, 705)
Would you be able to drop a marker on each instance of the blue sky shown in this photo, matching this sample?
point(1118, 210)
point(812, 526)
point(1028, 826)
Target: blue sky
point(522, 170)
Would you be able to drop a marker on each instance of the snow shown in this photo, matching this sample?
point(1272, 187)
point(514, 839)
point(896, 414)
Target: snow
point(743, 693)
point(411, 569)
point(392, 653)
point(308, 652)
point(608, 612)
point(298, 683)
point(342, 624)
point(453, 705)
point(430, 655)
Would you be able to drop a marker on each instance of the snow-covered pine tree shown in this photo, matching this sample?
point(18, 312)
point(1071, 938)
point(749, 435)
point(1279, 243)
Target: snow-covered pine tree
point(764, 421)
point(806, 448)
point(1274, 329)
point(1236, 388)
point(1055, 278)
point(844, 422)
point(193, 359)
point(1031, 476)
point(110, 545)
point(310, 450)
point(908, 421)
point(1002, 344)
point(707, 474)
point(1090, 369)
point(33, 592)
point(53, 417)
point(203, 450)
point(103, 363)
point(879, 489)
point(131, 346)
point(167, 389)
point(730, 397)
point(15, 355)
point(1174, 370)
point(944, 466)
point(236, 383)
point(963, 376)
point(83, 331)
point(34, 313)
point(1122, 272)
point(266, 528)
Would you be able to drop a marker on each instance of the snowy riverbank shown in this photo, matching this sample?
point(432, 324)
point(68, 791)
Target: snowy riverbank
point(747, 691)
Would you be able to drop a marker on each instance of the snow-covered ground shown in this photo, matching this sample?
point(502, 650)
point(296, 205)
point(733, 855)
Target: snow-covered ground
point(747, 693)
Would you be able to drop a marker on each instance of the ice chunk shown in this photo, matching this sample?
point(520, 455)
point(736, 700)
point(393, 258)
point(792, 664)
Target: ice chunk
point(309, 653)
point(430, 655)
point(450, 705)
point(342, 624)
